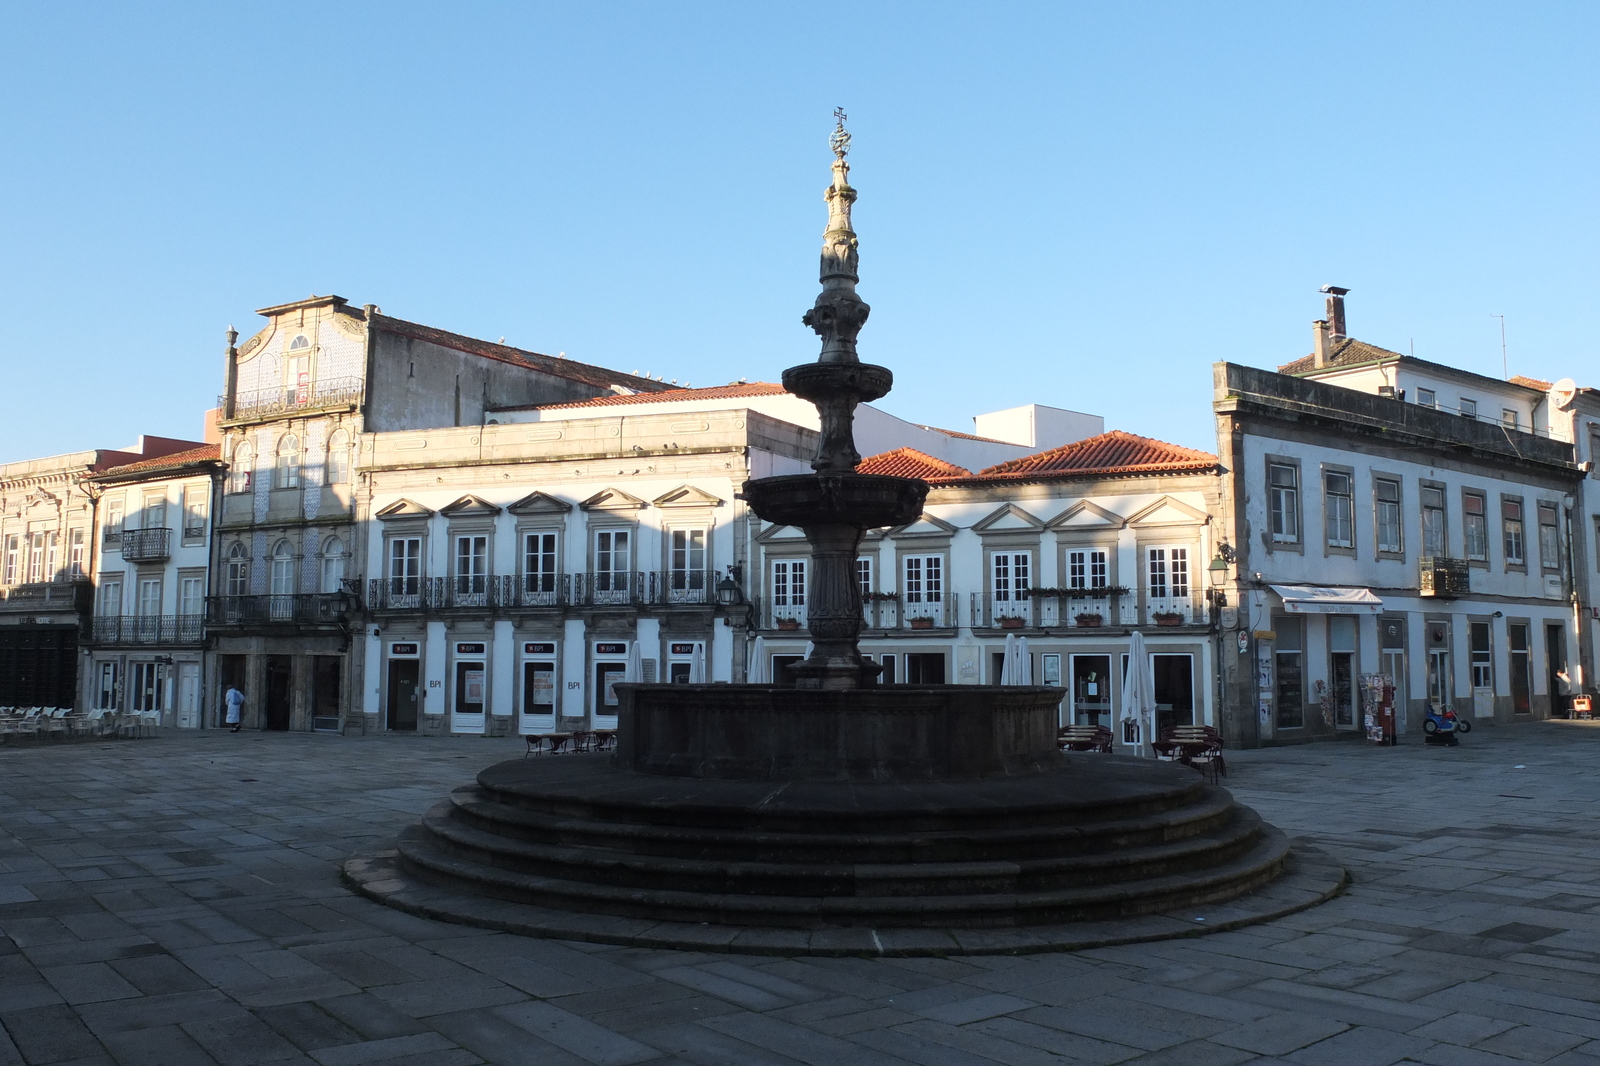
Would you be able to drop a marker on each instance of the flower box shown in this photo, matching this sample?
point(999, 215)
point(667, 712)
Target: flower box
point(1088, 621)
point(1169, 618)
point(788, 624)
point(922, 623)
point(1012, 622)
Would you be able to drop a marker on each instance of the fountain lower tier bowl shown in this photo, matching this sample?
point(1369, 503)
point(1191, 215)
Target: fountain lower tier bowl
point(972, 842)
point(866, 501)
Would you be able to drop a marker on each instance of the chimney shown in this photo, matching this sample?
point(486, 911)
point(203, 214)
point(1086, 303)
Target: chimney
point(1336, 310)
point(1319, 344)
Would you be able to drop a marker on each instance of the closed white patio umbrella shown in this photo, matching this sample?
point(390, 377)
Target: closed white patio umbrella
point(635, 668)
point(697, 665)
point(757, 674)
point(1139, 692)
point(1024, 662)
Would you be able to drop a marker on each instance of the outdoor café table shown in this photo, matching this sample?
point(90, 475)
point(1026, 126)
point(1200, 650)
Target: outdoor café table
point(538, 743)
point(604, 738)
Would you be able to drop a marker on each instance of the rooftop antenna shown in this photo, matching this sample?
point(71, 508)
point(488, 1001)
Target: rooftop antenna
point(1505, 367)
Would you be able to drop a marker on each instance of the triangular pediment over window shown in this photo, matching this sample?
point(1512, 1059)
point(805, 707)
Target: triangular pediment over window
point(781, 533)
point(1086, 514)
point(925, 526)
point(469, 505)
point(1169, 512)
point(539, 503)
point(405, 509)
point(612, 500)
point(1008, 519)
point(688, 496)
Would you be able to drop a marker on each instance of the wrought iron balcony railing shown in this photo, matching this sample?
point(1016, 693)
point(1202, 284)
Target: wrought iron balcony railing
point(149, 629)
point(146, 545)
point(307, 608)
point(658, 588)
point(287, 399)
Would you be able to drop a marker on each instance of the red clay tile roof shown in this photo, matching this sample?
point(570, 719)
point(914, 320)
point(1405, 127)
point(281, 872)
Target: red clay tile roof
point(963, 436)
point(671, 394)
point(1344, 352)
point(1109, 454)
point(570, 369)
point(208, 453)
point(908, 462)
point(1530, 383)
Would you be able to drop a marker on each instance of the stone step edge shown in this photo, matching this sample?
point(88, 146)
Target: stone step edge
point(475, 843)
point(1167, 825)
point(1311, 877)
point(1262, 865)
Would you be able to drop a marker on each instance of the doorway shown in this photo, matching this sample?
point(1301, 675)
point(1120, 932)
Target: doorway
point(280, 669)
point(402, 710)
point(1555, 652)
point(1091, 690)
point(326, 685)
point(188, 695)
point(1521, 668)
point(925, 668)
point(1174, 690)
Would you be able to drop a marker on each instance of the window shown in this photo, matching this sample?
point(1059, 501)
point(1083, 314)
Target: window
point(52, 557)
point(1511, 527)
point(1167, 573)
point(1010, 571)
point(1433, 528)
point(36, 557)
point(922, 585)
point(1289, 671)
point(297, 372)
point(110, 596)
point(1482, 660)
point(1284, 496)
point(688, 560)
point(1549, 538)
point(155, 511)
point(925, 668)
point(75, 552)
point(113, 527)
point(238, 575)
point(864, 575)
point(191, 595)
point(1342, 669)
point(240, 470)
point(612, 554)
point(1469, 408)
point(332, 565)
point(1339, 509)
point(1475, 512)
point(472, 564)
point(299, 344)
point(194, 511)
point(539, 563)
point(405, 566)
point(288, 465)
point(1426, 398)
point(106, 698)
point(149, 597)
point(338, 467)
point(13, 570)
point(1509, 418)
point(1086, 569)
point(146, 687)
point(1521, 668)
point(283, 582)
point(788, 588)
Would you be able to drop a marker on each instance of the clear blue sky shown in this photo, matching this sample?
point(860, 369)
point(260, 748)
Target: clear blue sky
point(1075, 205)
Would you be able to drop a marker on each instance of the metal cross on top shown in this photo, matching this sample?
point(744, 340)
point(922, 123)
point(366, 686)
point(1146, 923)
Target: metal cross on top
point(840, 140)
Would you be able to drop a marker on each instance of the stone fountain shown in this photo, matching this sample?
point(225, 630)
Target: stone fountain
point(838, 816)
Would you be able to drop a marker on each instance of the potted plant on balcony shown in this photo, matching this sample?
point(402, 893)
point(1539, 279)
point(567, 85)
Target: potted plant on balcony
point(924, 621)
point(1168, 618)
point(1012, 621)
point(1088, 621)
point(788, 625)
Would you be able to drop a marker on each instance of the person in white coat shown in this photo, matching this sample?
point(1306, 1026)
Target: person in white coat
point(235, 703)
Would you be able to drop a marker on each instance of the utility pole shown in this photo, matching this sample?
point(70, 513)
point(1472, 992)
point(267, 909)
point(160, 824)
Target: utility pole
point(1505, 367)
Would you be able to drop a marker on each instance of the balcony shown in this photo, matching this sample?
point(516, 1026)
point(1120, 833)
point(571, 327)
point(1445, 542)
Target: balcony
point(146, 545)
point(149, 629)
point(1173, 611)
point(1444, 579)
point(622, 588)
point(289, 400)
point(69, 594)
point(1005, 611)
point(299, 609)
point(923, 613)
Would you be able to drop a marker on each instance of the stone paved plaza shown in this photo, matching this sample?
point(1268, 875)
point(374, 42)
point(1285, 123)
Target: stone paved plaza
point(177, 900)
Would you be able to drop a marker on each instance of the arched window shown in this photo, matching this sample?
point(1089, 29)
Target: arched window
point(339, 458)
point(284, 584)
point(244, 458)
point(332, 564)
point(238, 578)
point(288, 462)
point(300, 343)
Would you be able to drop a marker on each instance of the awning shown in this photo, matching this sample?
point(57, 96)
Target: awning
point(1319, 599)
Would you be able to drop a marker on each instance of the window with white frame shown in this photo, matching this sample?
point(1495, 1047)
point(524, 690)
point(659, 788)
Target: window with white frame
point(1167, 573)
point(237, 578)
point(155, 510)
point(1509, 418)
point(109, 688)
point(788, 588)
point(75, 556)
point(1511, 529)
point(13, 571)
point(1010, 577)
point(1386, 505)
point(922, 585)
point(688, 561)
point(472, 564)
point(110, 595)
point(146, 692)
point(338, 465)
point(1283, 484)
point(539, 565)
point(36, 557)
point(297, 372)
point(1434, 541)
point(405, 566)
point(283, 570)
point(1475, 525)
point(333, 557)
point(52, 557)
point(191, 595)
point(149, 605)
point(241, 469)
point(1427, 398)
point(1549, 538)
point(1469, 408)
point(1338, 506)
point(613, 560)
point(1087, 569)
point(864, 575)
point(194, 503)
point(288, 462)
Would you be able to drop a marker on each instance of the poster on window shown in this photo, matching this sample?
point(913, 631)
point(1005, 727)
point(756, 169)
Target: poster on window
point(612, 677)
point(544, 688)
point(302, 388)
point(472, 683)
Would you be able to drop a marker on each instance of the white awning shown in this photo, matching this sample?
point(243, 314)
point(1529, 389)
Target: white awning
point(1318, 599)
